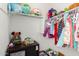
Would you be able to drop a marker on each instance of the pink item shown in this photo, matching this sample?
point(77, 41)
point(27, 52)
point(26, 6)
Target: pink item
point(75, 26)
point(11, 45)
point(71, 39)
point(77, 31)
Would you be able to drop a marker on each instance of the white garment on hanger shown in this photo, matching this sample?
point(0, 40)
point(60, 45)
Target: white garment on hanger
point(77, 28)
point(67, 33)
point(76, 34)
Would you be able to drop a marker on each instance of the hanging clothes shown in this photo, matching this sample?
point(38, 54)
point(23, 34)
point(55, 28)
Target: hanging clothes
point(75, 42)
point(62, 36)
point(71, 39)
point(52, 28)
point(66, 33)
point(76, 34)
point(47, 29)
point(60, 27)
point(65, 36)
point(73, 33)
point(56, 32)
point(65, 16)
point(73, 30)
point(76, 28)
point(60, 41)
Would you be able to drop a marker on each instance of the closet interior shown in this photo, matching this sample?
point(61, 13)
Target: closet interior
point(30, 32)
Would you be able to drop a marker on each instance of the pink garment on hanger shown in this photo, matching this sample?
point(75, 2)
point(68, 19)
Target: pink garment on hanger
point(71, 39)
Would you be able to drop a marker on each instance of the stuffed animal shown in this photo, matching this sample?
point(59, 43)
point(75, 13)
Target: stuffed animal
point(35, 12)
point(26, 9)
point(16, 39)
point(14, 7)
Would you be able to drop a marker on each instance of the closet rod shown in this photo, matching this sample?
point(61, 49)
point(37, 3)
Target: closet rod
point(65, 12)
point(3, 10)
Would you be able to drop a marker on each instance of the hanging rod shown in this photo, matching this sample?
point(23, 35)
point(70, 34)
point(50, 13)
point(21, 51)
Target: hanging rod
point(74, 10)
point(70, 11)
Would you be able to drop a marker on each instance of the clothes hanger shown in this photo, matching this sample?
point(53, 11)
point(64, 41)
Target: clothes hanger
point(71, 12)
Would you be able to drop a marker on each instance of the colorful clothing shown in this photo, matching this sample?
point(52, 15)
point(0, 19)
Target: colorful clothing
point(60, 27)
point(52, 28)
point(77, 29)
point(71, 39)
point(56, 32)
point(62, 36)
point(47, 29)
point(65, 36)
point(76, 25)
point(60, 41)
point(73, 31)
point(77, 34)
point(66, 33)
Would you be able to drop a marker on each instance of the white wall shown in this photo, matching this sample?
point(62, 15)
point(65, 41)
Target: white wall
point(4, 21)
point(30, 26)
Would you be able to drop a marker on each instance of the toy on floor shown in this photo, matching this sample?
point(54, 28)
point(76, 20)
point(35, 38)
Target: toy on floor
point(49, 49)
point(50, 52)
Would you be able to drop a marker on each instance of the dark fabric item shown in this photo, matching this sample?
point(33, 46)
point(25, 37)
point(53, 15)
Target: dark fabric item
point(64, 45)
point(56, 33)
point(60, 27)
